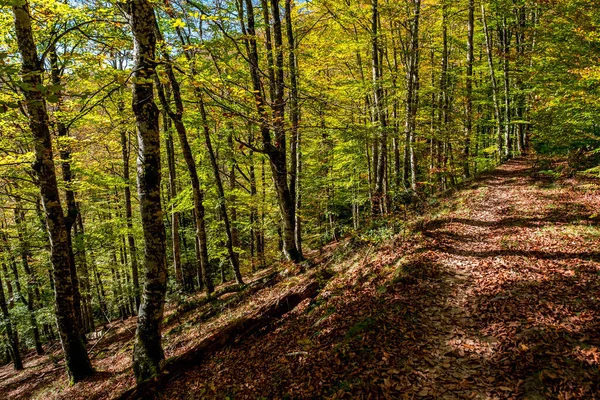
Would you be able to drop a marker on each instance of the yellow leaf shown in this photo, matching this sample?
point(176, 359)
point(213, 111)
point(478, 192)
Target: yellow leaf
point(178, 23)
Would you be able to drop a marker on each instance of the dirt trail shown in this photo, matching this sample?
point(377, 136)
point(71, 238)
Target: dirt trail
point(520, 262)
point(499, 298)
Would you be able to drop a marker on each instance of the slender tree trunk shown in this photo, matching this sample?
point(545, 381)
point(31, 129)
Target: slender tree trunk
point(11, 332)
point(31, 278)
point(199, 272)
point(263, 207)
point(100, 293)
point(295, 155)
point(116, 286)
point(395, 120)
point(521, 16)
point(131, 309)
point(233, 256)
point(80, 242)
point(124, 277)
point(412, 92)
point(488, 45)
point(443, 97)
point(64, 148)
point(235, 235)
point(469, 89)
point(76, 358)
point(170, 150)
point(276, 151)
point(129, 214)
point(148, 354)
point(85, 323)
point(9, 288)
point(505, 43)
point(197, 193)
point(379, 117)
point(254, 226)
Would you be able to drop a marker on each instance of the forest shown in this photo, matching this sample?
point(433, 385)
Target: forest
point(299, 199)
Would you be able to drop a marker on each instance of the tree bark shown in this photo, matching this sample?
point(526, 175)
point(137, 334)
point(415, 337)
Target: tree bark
point(443, 99)
point(148, 355)
point(76, 357)
point(505, 35)
point(9, 288)
point(232, 164)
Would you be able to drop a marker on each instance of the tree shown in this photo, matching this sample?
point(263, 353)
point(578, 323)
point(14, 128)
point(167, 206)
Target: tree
point(275, 150)
point(148, 353)
point(75, 353)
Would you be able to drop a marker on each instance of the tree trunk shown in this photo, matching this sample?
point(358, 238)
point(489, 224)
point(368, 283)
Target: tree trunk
point(469, 89)
point(505, 43)
point(11, 332)
point(275, 151)
point(148, 354)
point(170, 150)
point(9, 288)
point(131, 309)
point(197, 193)
point(412, 93)
point(129, 216)
point(100, 293)
point(64, 149)
point(31, 279)
point(235, 234)
point(379, 117)
point(295, 156)
point(85, 277)
point(488, 45)
point(443, 98)
point(76, 358)
point(233, 256)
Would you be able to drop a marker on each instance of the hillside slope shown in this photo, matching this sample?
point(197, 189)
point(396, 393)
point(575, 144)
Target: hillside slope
point(499, 298)
point(495, 296)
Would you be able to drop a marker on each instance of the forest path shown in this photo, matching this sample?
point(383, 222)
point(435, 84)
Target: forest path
point(520, 263)
point(499, 298)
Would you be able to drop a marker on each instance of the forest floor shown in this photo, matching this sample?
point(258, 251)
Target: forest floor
point(496, 294)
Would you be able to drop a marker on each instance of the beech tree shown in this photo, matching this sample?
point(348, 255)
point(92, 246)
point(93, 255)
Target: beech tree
point(76, 357)
point(148, 353)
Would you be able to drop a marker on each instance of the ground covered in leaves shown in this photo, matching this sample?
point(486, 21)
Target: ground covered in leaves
point(496, 295)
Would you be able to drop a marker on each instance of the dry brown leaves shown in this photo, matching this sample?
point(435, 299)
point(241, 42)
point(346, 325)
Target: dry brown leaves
point(497, 299)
